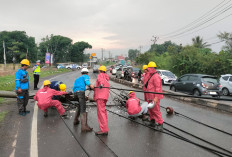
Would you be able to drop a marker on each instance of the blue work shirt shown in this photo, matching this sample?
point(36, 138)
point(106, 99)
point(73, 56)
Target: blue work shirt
point(20, 76)
point(55, 85)
point(80, 83)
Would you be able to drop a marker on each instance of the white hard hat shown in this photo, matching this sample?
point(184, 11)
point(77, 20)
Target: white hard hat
point(84, 70)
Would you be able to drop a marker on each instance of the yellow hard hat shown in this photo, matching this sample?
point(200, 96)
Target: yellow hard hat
point(46, 82)
point(130, 92)
point(151, 65)
point(144, 67)
point(62, 87)
point(25, 61)
point(102, 68)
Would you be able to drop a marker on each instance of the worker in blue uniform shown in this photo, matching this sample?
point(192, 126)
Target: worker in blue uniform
point(79, 92)
point(22, 87)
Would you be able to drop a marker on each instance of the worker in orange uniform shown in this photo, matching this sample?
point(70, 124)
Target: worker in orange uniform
point(101, 97)
point(154, 84)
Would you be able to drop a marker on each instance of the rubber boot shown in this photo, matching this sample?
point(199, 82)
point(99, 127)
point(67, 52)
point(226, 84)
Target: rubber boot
point(101, 133)
point(145, 117)
point(46, 114)
point(84, 125)
point(77, 115)
point(152, 123)
point(160, 127)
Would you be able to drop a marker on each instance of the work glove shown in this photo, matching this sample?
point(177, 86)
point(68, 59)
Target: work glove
point(100, 86)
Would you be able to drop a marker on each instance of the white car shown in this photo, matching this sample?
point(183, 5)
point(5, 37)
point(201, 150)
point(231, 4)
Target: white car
point(226, 84)
point(167, 76)
point(73, 66)
point(85, 65)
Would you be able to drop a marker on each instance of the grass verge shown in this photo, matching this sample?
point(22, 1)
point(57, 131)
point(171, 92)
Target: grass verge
point(7, 82)
point(2, 115)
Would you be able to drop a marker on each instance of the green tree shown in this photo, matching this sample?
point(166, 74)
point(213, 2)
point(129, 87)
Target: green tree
point(57, 45)
point(133, 53)
point(199, 43)
point(227, 38)
point(77, 51)
point(16, 44)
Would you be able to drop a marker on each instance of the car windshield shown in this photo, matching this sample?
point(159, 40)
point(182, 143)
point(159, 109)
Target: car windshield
point(210, 79)
point(167, 73)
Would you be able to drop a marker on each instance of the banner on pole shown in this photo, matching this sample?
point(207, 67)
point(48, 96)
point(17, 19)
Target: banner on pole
point(47, 58)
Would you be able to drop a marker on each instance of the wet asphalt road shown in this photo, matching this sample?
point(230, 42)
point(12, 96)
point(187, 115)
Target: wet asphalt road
point(126, 138)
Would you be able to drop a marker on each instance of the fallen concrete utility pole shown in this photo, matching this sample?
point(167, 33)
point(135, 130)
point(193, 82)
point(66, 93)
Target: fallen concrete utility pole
point(8, 94)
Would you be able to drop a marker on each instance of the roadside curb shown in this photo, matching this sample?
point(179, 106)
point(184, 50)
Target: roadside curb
point(224, 106)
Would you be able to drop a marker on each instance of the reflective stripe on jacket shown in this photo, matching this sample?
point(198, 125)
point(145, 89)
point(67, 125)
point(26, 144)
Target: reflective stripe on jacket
point(36, 69)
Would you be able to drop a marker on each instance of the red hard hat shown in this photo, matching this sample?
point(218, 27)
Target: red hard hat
point(169, 110)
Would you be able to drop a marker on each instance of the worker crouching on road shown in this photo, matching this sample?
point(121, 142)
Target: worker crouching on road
point(134, 109)
point(22, 87)
point(79, 92)
point(101, 96)
point(59, 86)
point(154, 84)
point(44, 99)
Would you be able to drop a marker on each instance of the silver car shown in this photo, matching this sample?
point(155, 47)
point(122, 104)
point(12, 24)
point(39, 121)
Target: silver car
point(226, 84)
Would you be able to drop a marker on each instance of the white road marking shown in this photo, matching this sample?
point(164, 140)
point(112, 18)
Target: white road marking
point(14, 143)
point(34, 139)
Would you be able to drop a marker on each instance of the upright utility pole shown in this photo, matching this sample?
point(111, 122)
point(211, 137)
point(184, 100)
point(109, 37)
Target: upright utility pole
point(154, 40)
point(102, 53)
point(4, 55)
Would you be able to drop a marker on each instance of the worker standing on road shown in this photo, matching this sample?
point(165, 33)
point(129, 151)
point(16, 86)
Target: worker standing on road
point(44, 99)
point(36, 70)
point(144, 79)
point(79, 92)
point(101, 96)
point(154, 84)
point(22, 87)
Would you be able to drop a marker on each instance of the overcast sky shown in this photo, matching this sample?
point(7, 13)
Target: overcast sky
point(115, 25)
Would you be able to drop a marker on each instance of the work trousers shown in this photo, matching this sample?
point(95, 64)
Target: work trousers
point(82, 103)
point(144, 109)
point(156, 114)
point(22, 100)
point(36, 80)
point(102, 115)
point(55, 103)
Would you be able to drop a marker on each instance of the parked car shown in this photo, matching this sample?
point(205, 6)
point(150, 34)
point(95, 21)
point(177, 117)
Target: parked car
point(226, 84)
point(167, 76)
point(114, 70)
point(197, 84)
point(120, 72)
point(85, 65)
point(60, 66)
point(95, 68)
point(72, 66)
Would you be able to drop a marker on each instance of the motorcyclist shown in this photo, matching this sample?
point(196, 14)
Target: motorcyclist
point(79, 92)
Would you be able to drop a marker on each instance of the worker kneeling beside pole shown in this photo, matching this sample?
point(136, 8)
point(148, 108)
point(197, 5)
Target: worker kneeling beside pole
point(44, 99)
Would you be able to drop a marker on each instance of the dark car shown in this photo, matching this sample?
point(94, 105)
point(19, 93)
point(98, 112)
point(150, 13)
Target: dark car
point(95, 68)
point(197, 84)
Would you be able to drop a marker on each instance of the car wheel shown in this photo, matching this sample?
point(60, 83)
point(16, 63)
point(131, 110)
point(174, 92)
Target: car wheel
point(116, 76)
point(225, 91)
point(162, 82)
point(69, 68)
point(173, 88)
point(196, 92)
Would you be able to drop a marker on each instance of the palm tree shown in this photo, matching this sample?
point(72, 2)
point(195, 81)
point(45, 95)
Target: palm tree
point(198, 42)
